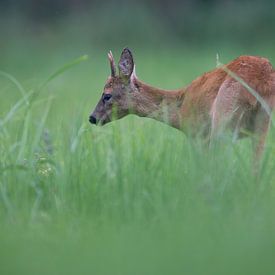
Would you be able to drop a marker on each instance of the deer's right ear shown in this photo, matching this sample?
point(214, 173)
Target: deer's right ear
point(126, 64)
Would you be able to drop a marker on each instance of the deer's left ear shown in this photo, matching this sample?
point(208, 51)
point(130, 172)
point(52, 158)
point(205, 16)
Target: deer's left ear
point(126, 64)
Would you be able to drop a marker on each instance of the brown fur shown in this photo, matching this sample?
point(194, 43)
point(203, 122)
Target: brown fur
point(210, 103)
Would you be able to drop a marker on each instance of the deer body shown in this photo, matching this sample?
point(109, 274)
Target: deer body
point(210, 103)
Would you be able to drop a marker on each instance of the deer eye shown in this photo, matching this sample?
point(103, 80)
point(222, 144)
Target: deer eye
point(107, 97)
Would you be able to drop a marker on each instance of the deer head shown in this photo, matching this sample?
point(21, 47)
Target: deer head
point(117, 96)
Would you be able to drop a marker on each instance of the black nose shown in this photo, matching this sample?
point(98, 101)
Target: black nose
point(92, 119)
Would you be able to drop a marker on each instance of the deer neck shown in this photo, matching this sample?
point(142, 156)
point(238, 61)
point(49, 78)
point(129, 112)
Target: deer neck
point(162, 105)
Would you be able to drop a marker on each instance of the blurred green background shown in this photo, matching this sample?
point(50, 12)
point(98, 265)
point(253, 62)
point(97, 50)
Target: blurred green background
point(134, 196)
point(173, 42)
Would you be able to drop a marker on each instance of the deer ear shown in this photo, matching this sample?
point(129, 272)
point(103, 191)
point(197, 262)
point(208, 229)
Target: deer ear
point(126, 64)
point(112, 64)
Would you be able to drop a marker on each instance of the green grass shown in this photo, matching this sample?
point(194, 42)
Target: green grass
point(132, 197)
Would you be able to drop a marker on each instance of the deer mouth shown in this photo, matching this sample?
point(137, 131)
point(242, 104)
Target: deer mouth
point(104, 121)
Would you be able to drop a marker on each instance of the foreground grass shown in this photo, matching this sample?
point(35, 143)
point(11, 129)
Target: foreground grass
point(133, 197)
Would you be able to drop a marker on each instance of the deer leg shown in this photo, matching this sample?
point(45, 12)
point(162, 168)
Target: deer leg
point(262, 122)
point(224, 108)
point(261, 126)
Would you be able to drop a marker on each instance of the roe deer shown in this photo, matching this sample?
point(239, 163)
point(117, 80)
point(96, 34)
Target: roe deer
point(212, 101)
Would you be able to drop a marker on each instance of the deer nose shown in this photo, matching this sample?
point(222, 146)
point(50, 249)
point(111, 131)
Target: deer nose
point(92, 119)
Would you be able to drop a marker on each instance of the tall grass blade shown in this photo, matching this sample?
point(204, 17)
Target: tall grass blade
point(62, 69)
point(24, 140)
point(14, 109)
point(17, 84)
point(41, 126)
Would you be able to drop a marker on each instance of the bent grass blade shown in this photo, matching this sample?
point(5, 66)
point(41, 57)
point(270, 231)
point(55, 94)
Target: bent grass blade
point(17, 84)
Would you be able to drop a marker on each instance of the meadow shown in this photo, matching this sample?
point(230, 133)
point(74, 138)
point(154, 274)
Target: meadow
point(134, 196)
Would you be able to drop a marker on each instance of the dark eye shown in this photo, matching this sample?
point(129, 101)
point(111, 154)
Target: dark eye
point(107, 97)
